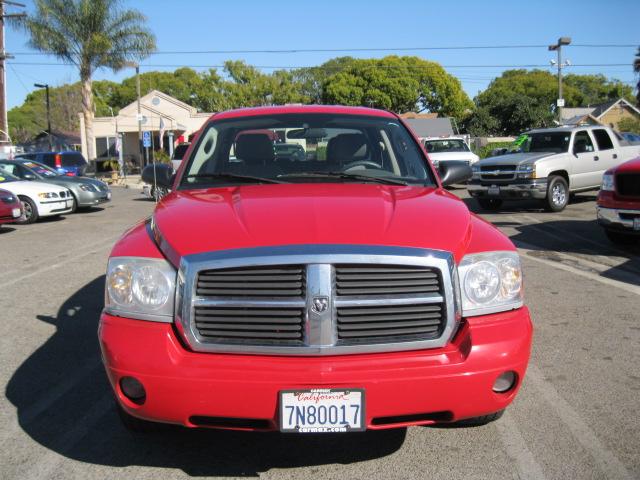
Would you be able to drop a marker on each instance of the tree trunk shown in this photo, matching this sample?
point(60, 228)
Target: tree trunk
point(87, 113)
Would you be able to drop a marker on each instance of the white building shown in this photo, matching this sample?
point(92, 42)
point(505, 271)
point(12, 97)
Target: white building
point(180, 121)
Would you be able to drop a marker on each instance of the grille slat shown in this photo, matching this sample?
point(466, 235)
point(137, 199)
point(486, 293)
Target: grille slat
point(385, 280)
point(390, 332)
point(377, 318)
point(394, 324)
point(204, 327)
point(261, 281)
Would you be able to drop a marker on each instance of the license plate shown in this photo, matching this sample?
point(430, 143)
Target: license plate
point(16, 212)
point(636, 223)
point(68, 204)
point(108, 195)
point(494, 191)
point(322, 410)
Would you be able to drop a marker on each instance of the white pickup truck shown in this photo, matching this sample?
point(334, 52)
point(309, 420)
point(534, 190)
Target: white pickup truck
point(552, 163)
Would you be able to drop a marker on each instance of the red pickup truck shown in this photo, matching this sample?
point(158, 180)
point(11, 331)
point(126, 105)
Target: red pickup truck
point(342, 291)
point(618, 204)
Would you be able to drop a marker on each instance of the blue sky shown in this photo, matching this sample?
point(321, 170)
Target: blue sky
point(278, 24)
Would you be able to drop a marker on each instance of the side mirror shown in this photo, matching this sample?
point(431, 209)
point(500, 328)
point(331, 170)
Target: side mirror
point(454, 171)
point(28, 176)
point(163, 175)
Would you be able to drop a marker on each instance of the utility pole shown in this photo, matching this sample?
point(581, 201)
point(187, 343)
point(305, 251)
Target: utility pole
point(4, 124)
point(139, 116)
point(558, 48)
point(46, 86)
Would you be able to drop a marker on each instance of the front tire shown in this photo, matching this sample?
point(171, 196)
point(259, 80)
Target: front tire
point(74, 206)
point(492, 204)
point(30, 211)
point(134, 424)
point(557, 194)
point(479, 421)
point(620, 238)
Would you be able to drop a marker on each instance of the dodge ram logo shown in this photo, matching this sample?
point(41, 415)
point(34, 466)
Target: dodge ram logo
point(320, 304)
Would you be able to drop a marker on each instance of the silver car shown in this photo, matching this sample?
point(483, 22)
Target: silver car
point(87, 192)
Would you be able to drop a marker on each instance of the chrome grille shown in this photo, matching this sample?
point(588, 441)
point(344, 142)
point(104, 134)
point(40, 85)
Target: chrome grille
point(270, 281)
point(628, 184)
point(250, 324)
point(373, 280)
point(317, 300)
point(498, 172)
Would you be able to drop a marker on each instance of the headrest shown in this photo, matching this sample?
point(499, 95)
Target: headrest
point(255, 148)
point(346, 147)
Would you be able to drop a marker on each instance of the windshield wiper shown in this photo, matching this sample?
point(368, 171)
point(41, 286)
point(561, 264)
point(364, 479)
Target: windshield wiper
point(234, 176)
point(346, 176)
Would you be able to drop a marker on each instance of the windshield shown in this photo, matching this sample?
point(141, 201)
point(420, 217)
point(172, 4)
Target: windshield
point(6, 177)
point(297, 148)
point(180, 150)
point(555, 142)
point(40, 169)
point(446, 145)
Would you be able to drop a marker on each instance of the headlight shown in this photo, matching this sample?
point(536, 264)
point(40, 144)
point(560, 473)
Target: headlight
point(607, 183)
point(475, 169)
point(142, 288)
point(526, 171)
point(491, 282)
point(48, 195)
point(87, 187)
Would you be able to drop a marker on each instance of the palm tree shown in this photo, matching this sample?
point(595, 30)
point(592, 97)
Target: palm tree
point(89, 34)
point(636, 68)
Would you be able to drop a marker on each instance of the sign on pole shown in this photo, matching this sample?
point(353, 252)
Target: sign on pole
point(146, 139)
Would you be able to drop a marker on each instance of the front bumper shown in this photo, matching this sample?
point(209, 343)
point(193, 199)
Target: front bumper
point(89, 199)
point(517, 190)
point(624, 220)
point(449, 383)
point(54, 207)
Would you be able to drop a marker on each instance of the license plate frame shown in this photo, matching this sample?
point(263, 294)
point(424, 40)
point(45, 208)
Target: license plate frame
point(636, 224)
point(493, 190)
point(327, 398)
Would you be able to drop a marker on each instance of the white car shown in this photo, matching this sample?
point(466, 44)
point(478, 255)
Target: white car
point(443, 149)
point(38, 199)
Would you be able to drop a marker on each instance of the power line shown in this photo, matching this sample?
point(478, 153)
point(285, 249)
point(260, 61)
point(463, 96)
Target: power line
point(340, 67)
point(367, 49)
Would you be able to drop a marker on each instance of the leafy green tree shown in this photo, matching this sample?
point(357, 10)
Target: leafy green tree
point(629, 125)
point(394, 83)
point(521, 99)
point(595, 89)
point(89, 34)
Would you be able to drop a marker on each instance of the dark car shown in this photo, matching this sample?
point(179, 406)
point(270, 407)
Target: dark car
point(66, 163)
point(293, 152)
point(87, 192)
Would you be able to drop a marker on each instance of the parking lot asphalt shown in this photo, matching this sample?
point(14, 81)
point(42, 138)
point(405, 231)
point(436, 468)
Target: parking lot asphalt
point(577, 415)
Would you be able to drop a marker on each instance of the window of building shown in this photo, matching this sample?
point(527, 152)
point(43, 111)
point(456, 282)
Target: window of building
point(106, 147)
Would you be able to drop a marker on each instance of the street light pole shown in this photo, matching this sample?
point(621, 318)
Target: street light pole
point(558, 48)
point(46, 87)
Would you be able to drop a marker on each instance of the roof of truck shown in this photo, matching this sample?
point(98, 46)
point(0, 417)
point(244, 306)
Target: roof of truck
point(313, 109)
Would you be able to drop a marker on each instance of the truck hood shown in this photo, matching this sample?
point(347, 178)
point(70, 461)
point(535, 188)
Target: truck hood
point(194, 221)
point(444, 156)
point(515, 158)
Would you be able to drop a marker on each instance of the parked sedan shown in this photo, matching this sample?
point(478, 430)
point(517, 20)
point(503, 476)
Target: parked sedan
point(87, 192)
point(10, 207)
point(38, 199)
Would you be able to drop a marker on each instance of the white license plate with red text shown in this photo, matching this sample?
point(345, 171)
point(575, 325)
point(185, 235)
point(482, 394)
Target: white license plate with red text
point(322, 410)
